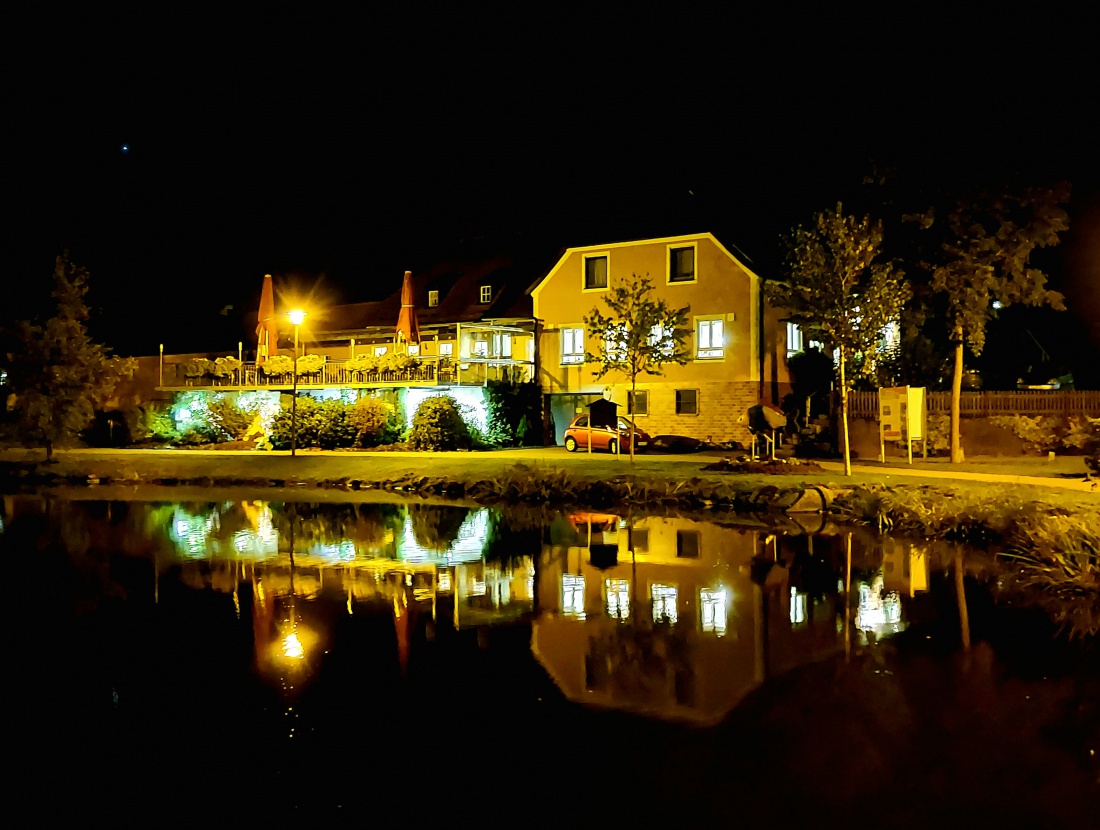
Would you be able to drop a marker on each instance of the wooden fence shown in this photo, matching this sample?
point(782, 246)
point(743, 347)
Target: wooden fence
point(977, 404)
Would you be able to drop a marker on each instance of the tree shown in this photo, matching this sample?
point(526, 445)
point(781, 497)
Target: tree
point(984, 262)
point(835, 287)
point(58, 375)
point(641, 335)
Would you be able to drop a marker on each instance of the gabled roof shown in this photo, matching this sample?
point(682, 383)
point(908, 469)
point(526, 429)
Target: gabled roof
point(509, 266)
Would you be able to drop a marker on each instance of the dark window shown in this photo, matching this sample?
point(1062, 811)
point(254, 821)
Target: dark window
point(595, 272)
point(637, 403)
point(681, 265)
point(639, 539)
point(582, 421)
point(687, 401)
point(687, 544)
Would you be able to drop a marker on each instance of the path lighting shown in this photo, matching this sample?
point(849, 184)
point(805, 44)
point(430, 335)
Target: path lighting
point(296, 318)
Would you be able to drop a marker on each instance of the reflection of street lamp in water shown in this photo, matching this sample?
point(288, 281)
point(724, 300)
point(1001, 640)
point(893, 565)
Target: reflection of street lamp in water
point(296, 317)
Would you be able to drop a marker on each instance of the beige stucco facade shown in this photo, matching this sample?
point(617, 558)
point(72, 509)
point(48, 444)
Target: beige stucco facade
point(737, 344)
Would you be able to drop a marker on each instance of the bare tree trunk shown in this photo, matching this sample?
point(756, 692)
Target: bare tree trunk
point(49, 451)
point(844, 416)
point(633, 414)
point(956, 403)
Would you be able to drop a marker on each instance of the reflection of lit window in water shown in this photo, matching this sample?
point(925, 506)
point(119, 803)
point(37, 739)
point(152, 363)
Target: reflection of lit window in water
point(444, 580)
point(477, 587)
point(798, 607)
point(664, 602)
point(712, 607)
point(340, 552)
point(618, 598)
point(878, 611)
point(572, 595)
point(530, 586)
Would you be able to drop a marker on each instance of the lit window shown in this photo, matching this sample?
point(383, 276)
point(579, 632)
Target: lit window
point(687, 401)
point(572, 345)
point(486, 293)
point(481, 348)
point(794, 338)
point(446, 349)
point(798, 607)
point(664, 602)
point(502, 345)
point(662, 337)
point(687, 544)
point(595, 272)
point(444, 581)
point(379, 351)
point(618, 598)
point(572, 595)
point(637, 403)
point(681, 264)
point(413, 349)
point(615, 343)
point(712, 610)
point(433, 299)
point(708, 338)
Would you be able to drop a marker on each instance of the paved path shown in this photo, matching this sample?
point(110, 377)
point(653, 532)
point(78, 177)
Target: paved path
point(948, 475)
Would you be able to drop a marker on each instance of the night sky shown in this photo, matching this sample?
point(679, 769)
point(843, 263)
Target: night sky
point(337, 162)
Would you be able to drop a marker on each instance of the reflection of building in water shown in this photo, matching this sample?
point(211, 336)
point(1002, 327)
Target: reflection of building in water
point(663, 617)
point(438, 553)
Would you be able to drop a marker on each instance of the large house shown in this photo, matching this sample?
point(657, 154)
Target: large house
point(491, 314)
point(737, 344)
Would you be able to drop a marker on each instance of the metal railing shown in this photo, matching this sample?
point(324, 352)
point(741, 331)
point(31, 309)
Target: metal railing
point(976, 404)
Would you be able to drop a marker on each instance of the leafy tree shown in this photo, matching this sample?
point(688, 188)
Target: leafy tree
point(640, 335)
point(58, 375)
point(984, 258)
point(373, 420)
point(835, 287)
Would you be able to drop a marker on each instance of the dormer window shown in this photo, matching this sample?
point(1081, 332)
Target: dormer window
point(486, 293)
point(433, 299)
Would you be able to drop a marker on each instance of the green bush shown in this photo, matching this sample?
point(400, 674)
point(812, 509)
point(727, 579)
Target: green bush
point(229, 421)
point(334, 428)
point(323, 424)
point(374, 421)
point(151, 422)
point(512, 409)
point(438, 425)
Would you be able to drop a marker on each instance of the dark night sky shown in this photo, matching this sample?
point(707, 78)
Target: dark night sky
point(353, 153)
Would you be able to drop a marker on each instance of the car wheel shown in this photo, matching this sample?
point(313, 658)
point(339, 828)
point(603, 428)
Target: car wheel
point(571, 444)
point(611, 446)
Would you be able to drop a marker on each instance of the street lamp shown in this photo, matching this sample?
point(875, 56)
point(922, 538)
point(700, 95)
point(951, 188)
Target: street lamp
point(296, 317)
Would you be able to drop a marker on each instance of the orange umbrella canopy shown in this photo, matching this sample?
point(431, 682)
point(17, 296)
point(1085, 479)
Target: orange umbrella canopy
point(408, 326)
point(267, 335)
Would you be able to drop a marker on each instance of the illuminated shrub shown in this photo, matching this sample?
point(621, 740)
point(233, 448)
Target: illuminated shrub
point(374, 422)
point(228, 421)
point(438, 425)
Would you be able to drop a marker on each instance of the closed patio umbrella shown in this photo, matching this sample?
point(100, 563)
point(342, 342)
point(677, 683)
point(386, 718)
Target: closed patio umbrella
point(267, 335)
point(408, 327)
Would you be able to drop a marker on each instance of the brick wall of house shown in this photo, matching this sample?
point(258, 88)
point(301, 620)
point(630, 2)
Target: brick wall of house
point(721, 405)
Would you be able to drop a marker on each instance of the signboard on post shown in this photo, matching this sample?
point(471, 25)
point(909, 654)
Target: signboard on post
point(902, 417)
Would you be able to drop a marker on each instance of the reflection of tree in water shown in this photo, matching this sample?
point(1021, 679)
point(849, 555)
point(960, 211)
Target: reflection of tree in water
point(330, 524)
point(512, 539)
point(645, 663)
point(436, 526)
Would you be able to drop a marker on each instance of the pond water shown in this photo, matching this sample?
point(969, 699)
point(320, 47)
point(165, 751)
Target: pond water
point(247, 656)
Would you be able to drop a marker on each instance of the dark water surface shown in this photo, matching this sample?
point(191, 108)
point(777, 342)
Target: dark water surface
point(424, 663)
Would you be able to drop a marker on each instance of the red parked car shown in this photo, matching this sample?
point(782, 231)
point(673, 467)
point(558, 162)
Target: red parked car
point(604, 438)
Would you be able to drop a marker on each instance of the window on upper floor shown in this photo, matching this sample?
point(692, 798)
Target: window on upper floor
point(572, 345)
point(433, 299)
point(664, 602)
point(637, 403)
point(446, 349)
point(797, 342)
point(481, 348)
point(379, 351)
point(502, 345)
point(413, 349)
point(615, 344)
point(486, 293)
point(687, 544)
point(639, 539)
point(617, 593)
point(681, 263)
point(595, 272)
point(687, 401)
point(709, 340)
point(712, 610)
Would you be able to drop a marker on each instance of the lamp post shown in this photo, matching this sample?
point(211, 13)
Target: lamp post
point(296, 317)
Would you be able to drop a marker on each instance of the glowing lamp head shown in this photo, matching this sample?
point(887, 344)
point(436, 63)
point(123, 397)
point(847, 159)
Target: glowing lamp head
point(296, 316)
